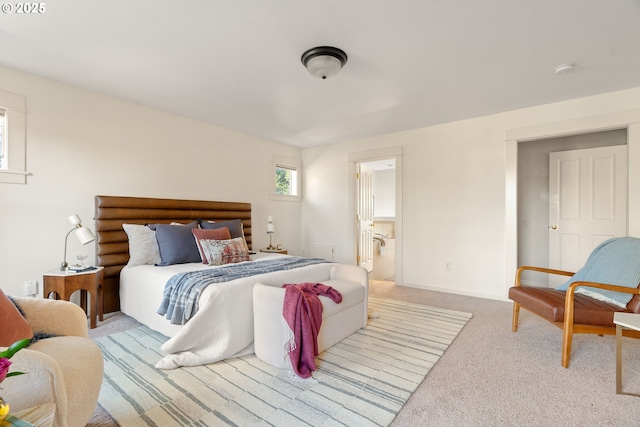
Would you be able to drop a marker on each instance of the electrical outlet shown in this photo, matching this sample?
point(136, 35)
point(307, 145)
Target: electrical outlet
point(447, 266)
point(31, 287)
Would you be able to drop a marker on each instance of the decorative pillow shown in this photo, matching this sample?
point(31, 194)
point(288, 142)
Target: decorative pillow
point(14, 326)
point(220, 252)
point(143, 246)
point(235, 227)
point(214, 234)
point(176, 243)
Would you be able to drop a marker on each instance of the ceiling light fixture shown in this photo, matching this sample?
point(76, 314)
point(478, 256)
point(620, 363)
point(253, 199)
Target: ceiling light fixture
point(564, 68)
point(324, 61)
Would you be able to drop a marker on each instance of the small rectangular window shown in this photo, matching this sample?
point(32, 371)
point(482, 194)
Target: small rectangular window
point(12, 139)
point(3, 126)
point(284, 178)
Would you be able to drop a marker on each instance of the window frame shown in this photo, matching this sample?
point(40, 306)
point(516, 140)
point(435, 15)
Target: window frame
point(14, 170)
point(286, 163)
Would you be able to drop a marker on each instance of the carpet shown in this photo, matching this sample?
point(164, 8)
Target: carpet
point(362, 381)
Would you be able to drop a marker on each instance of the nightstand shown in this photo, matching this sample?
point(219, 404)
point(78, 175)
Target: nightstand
point(64, 283)
point(275, 251)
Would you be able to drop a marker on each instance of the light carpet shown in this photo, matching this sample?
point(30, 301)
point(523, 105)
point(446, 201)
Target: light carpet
point(362, 381)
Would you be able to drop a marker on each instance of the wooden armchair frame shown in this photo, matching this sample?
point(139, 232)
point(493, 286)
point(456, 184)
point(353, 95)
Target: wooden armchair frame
point(567, 325)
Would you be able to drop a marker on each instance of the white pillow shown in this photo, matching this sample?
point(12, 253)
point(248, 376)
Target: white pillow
point(143, 246)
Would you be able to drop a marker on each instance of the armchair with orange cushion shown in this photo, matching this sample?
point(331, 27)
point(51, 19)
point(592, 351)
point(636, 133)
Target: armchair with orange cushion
point(64, 368)
point(586, 303)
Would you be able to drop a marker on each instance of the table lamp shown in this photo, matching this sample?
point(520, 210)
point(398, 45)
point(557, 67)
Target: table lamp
point(83, 234)
point(270, 230)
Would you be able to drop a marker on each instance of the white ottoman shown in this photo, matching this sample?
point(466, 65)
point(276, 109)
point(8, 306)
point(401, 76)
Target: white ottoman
point(338, 320)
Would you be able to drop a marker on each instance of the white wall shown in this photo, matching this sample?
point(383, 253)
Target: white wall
point(453, 194)
point(453, 181)
point(80, 144)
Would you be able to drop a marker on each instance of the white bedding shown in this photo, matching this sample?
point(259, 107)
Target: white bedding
point(223, 325)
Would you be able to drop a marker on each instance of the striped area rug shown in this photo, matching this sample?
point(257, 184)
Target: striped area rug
point(362, 381)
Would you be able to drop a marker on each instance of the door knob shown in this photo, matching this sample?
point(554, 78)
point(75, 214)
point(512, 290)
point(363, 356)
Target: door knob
point(553, 227)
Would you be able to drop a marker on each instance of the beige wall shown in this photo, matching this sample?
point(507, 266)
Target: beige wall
point(80, 144)
point(454, 194)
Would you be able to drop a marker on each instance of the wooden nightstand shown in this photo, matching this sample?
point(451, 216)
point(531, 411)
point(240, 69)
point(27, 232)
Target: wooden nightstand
point(275, 251)
point(63, 284)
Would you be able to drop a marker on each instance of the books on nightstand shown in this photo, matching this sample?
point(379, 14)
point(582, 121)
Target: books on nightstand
point(79, 269)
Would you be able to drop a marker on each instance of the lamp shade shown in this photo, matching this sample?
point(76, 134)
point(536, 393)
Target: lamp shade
point(74, 220)
point(324, 66)
point(324, 61)
point(85, 235)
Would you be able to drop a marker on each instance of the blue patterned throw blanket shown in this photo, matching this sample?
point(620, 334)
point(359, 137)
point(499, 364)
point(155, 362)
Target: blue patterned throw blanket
point(182, 291)
point(615, 262)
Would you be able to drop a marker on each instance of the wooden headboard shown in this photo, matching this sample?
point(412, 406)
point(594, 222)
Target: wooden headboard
point(112, 245)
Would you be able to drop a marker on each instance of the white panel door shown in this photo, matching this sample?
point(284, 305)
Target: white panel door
point(587, 204)
point(364, 213)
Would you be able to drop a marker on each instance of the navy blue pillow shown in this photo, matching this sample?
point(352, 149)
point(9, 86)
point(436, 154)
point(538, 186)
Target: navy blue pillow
point(234, 226)
point(176, 243)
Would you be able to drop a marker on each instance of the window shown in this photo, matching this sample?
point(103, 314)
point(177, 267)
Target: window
point(3, 126)
point(285, 178)
point(12, 139)
point(286, 181)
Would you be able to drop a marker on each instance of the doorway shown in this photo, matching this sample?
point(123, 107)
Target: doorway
point(386, 210)
point(377, 218)
point(587, 204)
point(533, 199)
point(517, 138)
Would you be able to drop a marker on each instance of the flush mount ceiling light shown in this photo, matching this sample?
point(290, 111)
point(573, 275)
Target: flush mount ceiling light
point(324, 61)
point(564, 68)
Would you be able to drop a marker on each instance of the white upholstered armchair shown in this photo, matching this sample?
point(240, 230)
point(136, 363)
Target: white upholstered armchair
point(66, 369)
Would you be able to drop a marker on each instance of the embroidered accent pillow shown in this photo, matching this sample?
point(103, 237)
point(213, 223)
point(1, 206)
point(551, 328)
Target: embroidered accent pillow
point(230, 251)
point(209, 234)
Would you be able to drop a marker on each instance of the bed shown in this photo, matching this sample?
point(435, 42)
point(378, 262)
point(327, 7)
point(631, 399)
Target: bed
point(222, 327)
point(112, 243)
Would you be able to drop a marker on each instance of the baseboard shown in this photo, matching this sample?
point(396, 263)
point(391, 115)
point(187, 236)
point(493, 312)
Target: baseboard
point(455, 291)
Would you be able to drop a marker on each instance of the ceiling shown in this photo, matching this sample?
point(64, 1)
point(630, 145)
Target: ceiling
point(412, 63)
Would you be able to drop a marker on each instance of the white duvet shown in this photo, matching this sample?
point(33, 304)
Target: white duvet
point(223, 325)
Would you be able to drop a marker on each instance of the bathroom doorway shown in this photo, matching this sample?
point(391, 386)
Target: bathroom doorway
point(383, 193)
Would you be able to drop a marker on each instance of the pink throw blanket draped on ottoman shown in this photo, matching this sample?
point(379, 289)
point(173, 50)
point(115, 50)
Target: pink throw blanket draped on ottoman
point(302, 311)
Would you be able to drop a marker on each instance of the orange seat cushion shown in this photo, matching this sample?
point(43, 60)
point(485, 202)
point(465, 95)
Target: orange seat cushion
point(549, 304)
